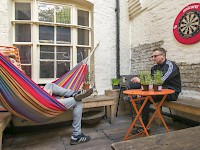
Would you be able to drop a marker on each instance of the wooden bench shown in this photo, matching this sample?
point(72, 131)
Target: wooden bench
point(187, 139)
point(102, 100)
point(5, 118)
point(189, 105)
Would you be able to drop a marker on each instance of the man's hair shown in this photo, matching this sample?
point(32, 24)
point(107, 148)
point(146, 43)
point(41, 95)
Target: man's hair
point(162, 50)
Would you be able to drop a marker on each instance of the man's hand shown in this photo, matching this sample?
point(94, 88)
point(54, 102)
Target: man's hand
point(135, 80)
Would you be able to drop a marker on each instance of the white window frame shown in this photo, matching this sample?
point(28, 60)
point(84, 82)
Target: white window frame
point(35, 44)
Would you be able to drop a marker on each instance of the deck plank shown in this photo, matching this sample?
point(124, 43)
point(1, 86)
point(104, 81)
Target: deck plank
point(102, 136)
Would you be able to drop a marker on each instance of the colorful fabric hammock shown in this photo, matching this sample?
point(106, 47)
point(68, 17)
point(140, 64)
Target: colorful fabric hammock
point(25, 99)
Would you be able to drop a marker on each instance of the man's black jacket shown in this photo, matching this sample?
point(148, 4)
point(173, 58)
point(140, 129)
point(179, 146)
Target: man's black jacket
point(171, 76)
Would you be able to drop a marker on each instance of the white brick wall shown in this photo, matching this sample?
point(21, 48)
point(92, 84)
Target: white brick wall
point(125, 53)
point(156, 24)
point(105, 33)
point(3, 23)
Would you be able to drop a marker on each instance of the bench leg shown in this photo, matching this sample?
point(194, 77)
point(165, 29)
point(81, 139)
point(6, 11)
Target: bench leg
point(171, 115)
point(112, 114)
point(1, 141)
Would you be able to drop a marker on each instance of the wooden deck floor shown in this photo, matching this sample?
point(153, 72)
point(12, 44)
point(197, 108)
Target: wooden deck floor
point(102, 136)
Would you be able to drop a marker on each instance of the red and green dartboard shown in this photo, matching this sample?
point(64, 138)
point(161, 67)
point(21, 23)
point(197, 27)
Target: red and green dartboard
point(187, 24)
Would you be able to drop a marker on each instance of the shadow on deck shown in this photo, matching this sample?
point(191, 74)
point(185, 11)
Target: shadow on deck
point(58, 138)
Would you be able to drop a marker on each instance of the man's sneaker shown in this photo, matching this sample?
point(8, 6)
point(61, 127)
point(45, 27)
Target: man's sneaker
point(139, 129)
point(79, 139)
point(80, 96)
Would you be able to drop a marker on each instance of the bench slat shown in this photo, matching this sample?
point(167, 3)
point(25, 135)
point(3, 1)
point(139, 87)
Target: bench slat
point(191, 106)
point(187, 102)
point(182, 139)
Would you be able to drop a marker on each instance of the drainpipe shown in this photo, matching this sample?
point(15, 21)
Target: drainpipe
point(117, 10)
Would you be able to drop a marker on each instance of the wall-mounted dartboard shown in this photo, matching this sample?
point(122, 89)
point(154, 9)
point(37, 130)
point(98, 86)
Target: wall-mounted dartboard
point(187, 24)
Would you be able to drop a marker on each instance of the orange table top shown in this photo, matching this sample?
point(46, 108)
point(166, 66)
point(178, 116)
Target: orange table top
point(150, 92)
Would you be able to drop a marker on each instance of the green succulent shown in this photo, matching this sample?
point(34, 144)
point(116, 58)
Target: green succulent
point(115, 81)
point(157, 77)
point(145, 77)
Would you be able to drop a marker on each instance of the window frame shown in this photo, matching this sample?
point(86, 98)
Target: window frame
point(35, 44)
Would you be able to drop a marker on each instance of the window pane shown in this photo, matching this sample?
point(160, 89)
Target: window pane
point(82, 53)
point(83, 18)
point(62, 68)
point(46, 69)
point(46, 34)
point(63, 14)
point(27, 70)
point(25, 53)
point(22, 11)
point(45, 12)
point(63, 35)
point(63, 53)
point(46, 52)
point(83, 37)
point(22, 33)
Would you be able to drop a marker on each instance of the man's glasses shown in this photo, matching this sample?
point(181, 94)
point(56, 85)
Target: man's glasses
point(154, 56)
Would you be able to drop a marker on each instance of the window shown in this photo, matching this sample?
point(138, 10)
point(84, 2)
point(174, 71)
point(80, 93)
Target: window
point(52, 37)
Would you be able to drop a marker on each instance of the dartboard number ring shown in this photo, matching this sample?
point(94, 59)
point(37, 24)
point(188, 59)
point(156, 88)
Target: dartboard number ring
point(187, 24)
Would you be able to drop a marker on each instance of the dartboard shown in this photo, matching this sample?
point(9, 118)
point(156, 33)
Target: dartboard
point(187, 24)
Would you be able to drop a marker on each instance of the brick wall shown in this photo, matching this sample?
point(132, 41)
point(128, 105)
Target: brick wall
point(140, 57)
point(190, 76)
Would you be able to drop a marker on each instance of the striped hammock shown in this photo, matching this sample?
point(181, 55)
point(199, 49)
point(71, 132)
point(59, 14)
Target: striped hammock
point(25, 99)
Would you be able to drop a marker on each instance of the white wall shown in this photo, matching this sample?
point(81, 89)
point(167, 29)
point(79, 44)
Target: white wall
point(156, 24)
point(125, 45)
point(3, 23)
point(105, 33)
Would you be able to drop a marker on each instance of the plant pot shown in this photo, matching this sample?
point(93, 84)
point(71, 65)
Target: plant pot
point(86, 86)
point(157, 87)
point(115, 86)
point(145, 87)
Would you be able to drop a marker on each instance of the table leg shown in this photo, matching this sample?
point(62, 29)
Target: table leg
point(157, 107)
point(107, 111)
point(136, 118)
point(112, 114)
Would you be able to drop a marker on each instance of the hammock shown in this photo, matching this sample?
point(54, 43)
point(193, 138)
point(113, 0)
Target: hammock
point(25, 99)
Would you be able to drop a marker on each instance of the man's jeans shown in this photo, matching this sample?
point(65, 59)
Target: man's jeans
point(68, 102)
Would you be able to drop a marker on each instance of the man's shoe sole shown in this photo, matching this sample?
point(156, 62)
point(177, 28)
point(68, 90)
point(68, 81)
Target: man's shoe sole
point(81, 96)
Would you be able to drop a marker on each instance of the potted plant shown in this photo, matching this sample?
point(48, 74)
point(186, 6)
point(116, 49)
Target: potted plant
point(157, 80)
point(145, 80)
point(115, 83)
